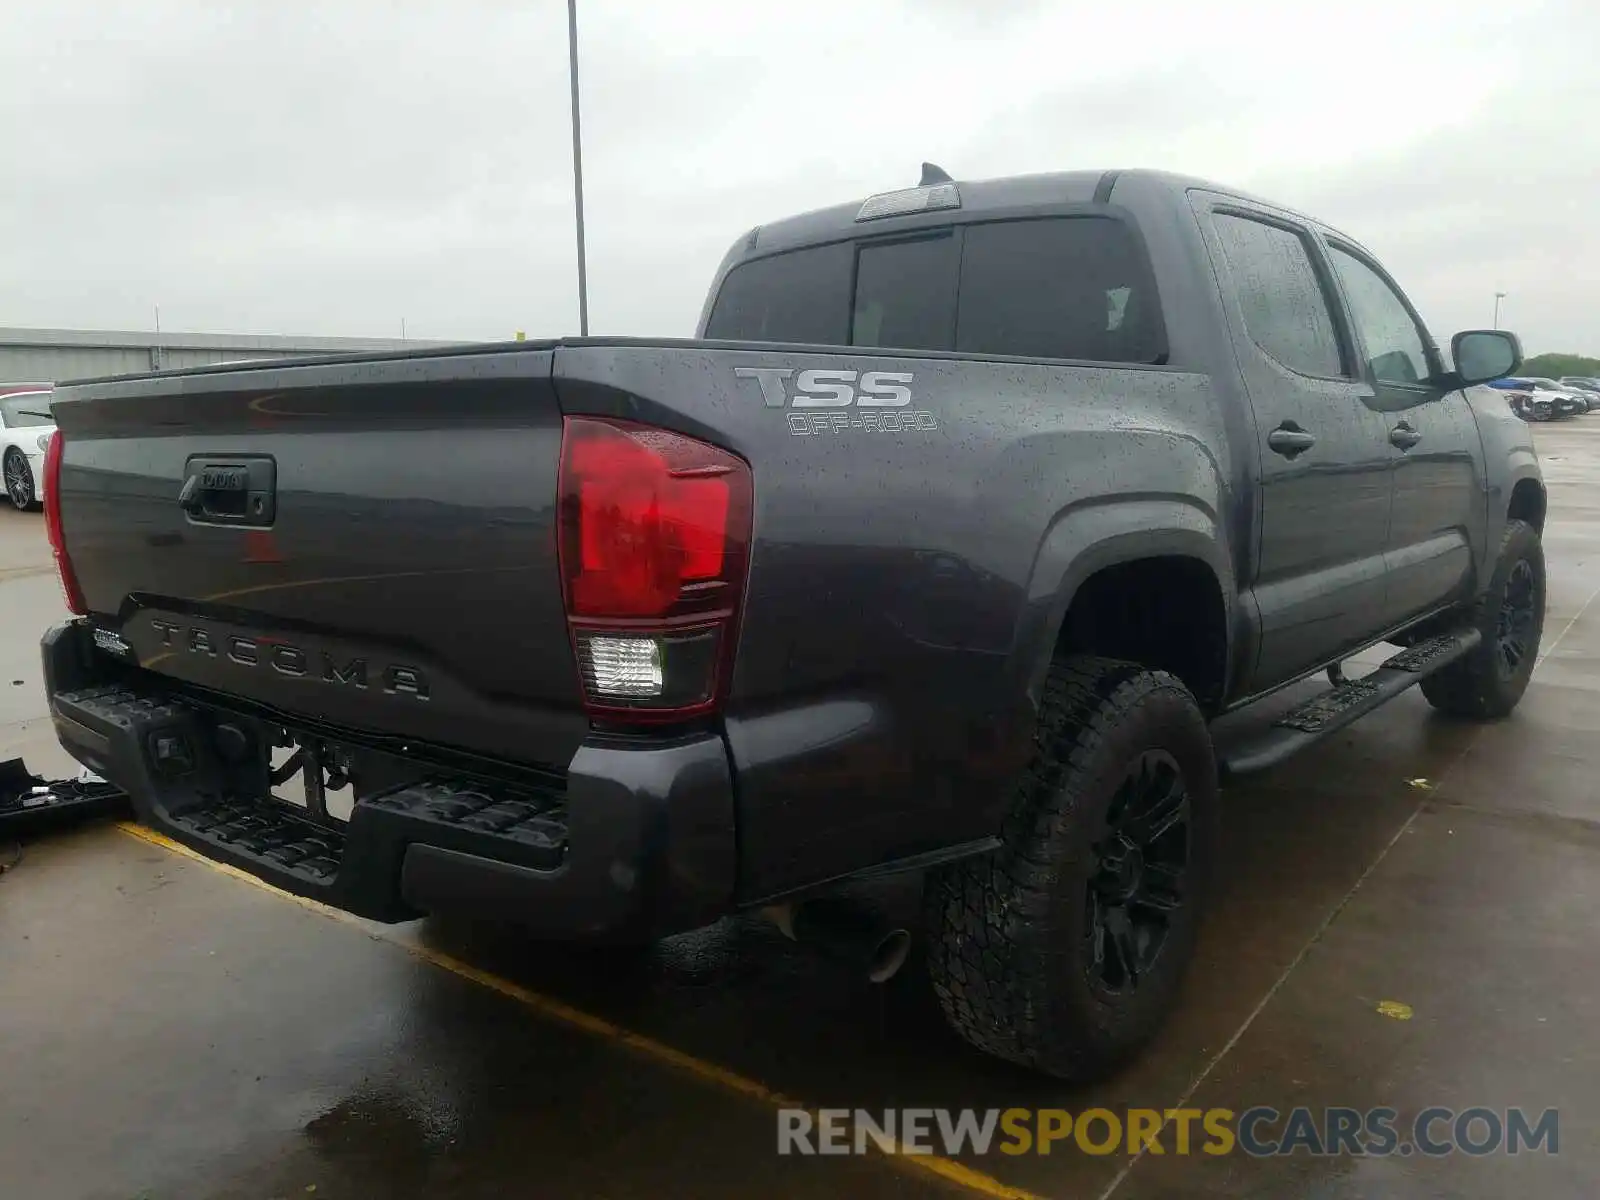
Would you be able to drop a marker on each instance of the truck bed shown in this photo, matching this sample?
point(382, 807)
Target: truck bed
point(906, 559)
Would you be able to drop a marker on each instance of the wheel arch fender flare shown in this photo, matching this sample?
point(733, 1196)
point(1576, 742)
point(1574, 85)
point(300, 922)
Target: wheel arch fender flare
point(1088, 538)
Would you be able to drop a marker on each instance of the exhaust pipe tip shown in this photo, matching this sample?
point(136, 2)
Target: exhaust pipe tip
point(890, 956)
point(848, 932)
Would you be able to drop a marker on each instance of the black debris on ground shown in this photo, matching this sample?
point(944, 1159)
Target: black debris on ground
point(30, 804)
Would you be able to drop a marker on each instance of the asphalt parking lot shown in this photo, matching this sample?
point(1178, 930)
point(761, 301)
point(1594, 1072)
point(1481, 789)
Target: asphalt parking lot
point(170, 1030)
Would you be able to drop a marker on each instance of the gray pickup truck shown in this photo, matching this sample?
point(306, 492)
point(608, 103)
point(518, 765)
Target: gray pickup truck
point(935, 555)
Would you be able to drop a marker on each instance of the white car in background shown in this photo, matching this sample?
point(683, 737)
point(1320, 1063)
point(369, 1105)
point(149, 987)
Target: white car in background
point(25, 428)
point(1562, 396)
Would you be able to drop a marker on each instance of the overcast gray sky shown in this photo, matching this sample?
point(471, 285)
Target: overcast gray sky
point(334, 168)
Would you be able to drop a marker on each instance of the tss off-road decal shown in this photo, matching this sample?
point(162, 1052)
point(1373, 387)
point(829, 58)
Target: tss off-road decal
point(840, 401)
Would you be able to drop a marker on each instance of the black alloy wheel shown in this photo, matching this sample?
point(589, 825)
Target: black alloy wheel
point(1516, 620)
point(1138, 880)
point(19, 480)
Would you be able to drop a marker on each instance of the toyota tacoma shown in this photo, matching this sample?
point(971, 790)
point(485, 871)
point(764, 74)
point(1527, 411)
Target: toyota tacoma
point(934, 555)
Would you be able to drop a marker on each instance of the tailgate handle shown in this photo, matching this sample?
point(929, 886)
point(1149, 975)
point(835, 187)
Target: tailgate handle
point(238, 490)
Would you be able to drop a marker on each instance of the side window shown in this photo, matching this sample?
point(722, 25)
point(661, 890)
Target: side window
point(1392, 338)
point(801, 296)
point(1057, 287)
point(1285, 308)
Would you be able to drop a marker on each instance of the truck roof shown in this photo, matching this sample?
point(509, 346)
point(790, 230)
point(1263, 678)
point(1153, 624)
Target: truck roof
point(1007, 194)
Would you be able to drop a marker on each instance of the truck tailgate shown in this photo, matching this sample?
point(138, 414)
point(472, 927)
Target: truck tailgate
point(401, 575)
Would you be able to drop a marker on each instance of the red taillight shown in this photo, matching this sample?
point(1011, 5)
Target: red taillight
point(70, 590)
point(654, 532)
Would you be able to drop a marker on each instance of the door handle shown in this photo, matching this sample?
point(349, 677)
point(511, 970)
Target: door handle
point(1289, 440)
point(1403, 436)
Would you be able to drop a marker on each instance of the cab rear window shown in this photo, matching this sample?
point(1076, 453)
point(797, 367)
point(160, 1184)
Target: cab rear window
point(1047, 287)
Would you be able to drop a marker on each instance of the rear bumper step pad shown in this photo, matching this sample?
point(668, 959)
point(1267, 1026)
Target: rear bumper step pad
point(354, 866)
point(637, 841)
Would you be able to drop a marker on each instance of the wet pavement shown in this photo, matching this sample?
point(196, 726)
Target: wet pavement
point(168, 1030)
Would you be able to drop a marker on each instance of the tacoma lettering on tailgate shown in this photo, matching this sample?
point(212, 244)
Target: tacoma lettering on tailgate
point(294, 662)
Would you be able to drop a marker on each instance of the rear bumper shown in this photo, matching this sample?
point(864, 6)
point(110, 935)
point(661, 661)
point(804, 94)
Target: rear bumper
point(638, 842)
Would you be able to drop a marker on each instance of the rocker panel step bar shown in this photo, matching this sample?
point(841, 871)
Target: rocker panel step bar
point(1332, 710)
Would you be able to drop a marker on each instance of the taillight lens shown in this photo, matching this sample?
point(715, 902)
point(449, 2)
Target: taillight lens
point(655, 535)
point(70, 590)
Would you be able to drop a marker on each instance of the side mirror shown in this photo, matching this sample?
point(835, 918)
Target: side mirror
point(1484, 354)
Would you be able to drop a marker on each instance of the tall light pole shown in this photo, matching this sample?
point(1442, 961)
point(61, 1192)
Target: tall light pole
point(1498, 296)
point(577, 166)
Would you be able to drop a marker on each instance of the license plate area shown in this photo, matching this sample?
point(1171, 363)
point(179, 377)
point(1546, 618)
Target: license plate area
point(315, 776)
point(322, 775)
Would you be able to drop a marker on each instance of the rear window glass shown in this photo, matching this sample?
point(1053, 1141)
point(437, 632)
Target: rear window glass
point(23, 410)
point(905, 294)
point(1050, 287)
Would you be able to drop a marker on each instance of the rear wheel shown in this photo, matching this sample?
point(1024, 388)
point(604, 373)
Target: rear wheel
point(1064, 950)
point(1509, 616)
point(19, 480)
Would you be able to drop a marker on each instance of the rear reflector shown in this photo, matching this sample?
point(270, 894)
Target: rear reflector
point(654, 535)
point(70, 591)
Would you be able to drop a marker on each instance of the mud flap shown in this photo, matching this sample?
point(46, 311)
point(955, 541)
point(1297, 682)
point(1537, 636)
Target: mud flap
point(31, 805)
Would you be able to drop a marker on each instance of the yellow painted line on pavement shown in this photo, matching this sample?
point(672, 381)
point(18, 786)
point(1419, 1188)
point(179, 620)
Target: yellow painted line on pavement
point(945, 1169)
point(9, 573)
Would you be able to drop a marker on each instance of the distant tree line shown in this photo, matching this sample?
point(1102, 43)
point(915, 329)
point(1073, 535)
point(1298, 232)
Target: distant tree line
point(1554, 366)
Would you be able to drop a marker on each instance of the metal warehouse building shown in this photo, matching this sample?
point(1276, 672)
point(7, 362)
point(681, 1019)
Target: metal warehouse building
point(57, 355)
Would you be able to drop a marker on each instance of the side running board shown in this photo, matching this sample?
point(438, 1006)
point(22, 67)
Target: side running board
point(1332, 710)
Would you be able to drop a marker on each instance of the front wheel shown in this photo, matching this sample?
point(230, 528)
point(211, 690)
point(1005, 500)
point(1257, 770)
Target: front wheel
point(1064, 950)
point(19, 480)
point(1509, 616)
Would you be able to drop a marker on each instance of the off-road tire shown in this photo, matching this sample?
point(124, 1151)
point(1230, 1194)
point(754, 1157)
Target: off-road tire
point(1476, 686)
point(1009, 951)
